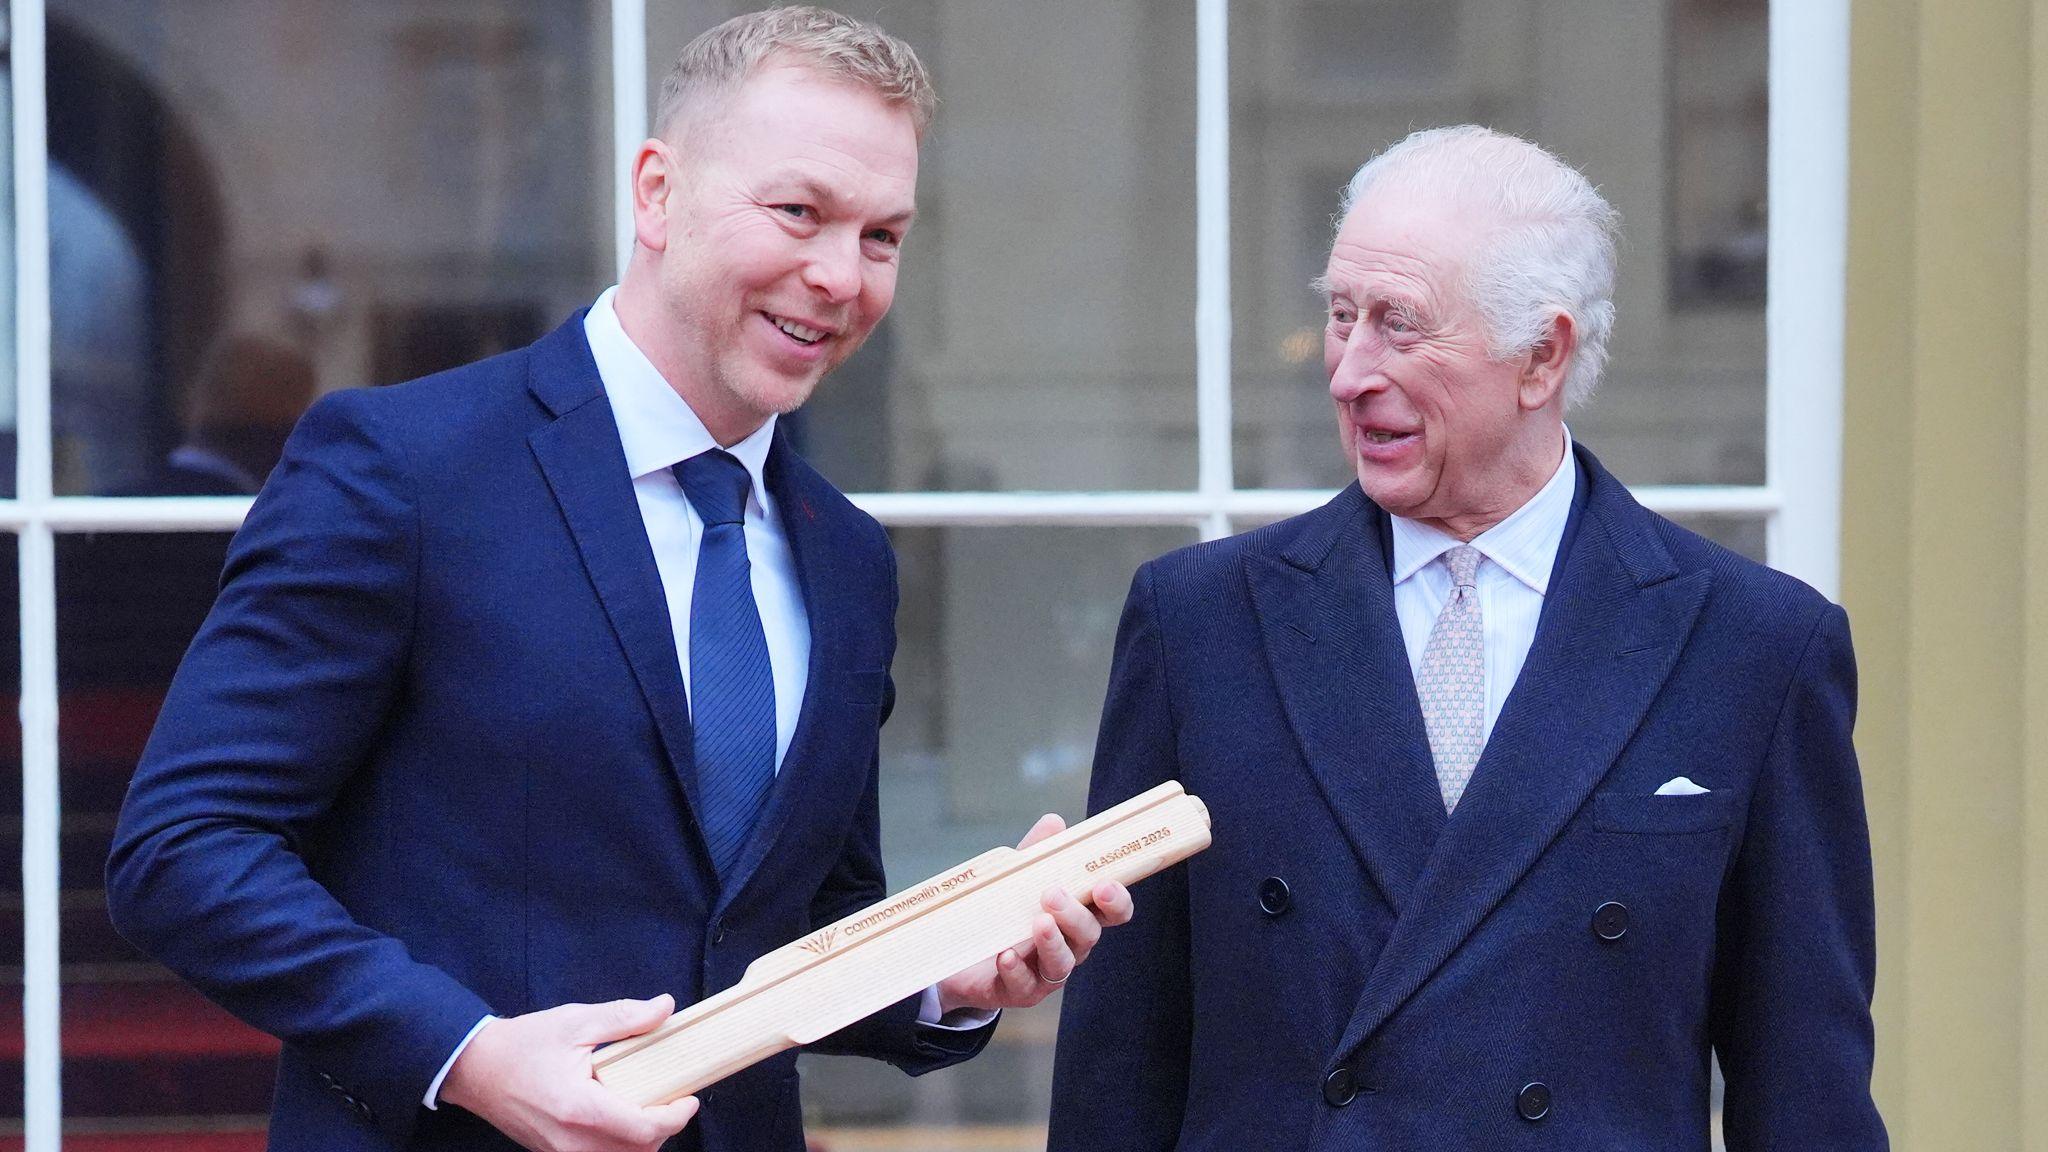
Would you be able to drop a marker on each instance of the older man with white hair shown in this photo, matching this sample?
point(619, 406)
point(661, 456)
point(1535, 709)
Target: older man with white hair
point(1527, 800)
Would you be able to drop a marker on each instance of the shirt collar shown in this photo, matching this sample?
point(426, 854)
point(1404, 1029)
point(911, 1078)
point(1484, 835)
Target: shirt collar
point(1524, 545)
point(657, 427)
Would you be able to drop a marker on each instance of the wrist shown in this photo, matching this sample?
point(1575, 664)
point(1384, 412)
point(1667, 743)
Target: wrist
point(456, 1086)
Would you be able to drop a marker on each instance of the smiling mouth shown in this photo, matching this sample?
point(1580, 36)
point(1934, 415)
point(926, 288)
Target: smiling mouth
point(1382, 437)
point(801, 333)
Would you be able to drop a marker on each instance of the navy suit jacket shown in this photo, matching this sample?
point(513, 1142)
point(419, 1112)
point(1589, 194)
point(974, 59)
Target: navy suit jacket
point(1346, 968)
point(430, 757)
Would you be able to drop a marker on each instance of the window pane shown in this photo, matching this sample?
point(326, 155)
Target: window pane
point(1043, 334)
point(1661, 105)
point(1742, 532)
point(255, 201)
point(144, 1054)
point(1005, 636)
point(10, 851)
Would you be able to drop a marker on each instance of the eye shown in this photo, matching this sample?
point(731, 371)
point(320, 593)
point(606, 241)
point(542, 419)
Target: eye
point(884, 236)
point(1398, 323)
point(796, 211)
point(1341, 314)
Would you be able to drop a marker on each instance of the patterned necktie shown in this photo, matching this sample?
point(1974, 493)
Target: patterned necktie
point(1452, 681)
point(732, 687)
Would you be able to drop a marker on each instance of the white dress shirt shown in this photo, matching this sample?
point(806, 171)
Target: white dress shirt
point(658, 430)
point(1517, 555)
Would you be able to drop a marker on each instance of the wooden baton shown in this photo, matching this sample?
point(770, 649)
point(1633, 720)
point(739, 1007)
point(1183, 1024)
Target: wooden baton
point(811, 988)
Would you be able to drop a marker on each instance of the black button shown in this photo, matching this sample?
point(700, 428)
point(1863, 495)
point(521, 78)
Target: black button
point(1339, 1088)
point(1533, 1102)
point(718, 932)
point(1610, 921)
point(1274, 896)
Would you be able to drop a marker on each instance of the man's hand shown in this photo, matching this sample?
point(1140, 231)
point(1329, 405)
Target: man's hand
point(529, 1077)
point(1061, 937)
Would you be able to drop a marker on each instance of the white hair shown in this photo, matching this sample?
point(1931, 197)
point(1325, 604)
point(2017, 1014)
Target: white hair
point(1551, 247)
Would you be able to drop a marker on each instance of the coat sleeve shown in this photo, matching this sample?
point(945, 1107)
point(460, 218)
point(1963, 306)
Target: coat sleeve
point(1797, 955)
point(1120, 1076)
point(278, 702)
point(856, 881)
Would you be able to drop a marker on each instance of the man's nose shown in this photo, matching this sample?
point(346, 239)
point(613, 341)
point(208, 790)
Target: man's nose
point(1356, 371)
point(834, 268)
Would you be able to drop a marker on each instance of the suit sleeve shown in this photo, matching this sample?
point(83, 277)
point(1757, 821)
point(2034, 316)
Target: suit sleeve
point(855, 882)
point(279, 700)
point(1797, 956)
point(1120, 1076)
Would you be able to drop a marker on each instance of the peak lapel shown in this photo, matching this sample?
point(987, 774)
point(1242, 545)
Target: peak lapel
point(1326, 611)
point(1621, 614)
point(818, 553)
point(585, 466)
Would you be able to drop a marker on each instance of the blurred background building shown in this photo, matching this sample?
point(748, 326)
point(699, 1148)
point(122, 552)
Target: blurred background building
point(1829, 357)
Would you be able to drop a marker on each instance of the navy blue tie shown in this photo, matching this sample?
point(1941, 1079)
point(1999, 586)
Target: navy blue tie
point(732, 687)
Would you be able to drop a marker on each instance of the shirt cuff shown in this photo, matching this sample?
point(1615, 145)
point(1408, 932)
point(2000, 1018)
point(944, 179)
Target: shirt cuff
point(432, 1100)
point(958, 1020)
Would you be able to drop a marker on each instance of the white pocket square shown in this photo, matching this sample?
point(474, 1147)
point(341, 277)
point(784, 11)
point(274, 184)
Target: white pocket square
point(1680, 786)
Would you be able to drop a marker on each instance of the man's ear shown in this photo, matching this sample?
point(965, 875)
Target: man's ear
point(1544, 372)
point(655, 175)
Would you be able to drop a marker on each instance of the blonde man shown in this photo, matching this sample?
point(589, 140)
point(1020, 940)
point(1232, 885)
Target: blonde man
point(554, 681)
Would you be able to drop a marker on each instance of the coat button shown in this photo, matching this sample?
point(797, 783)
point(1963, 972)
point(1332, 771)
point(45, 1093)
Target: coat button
point(718, 932)
point(1274, 896)
point(1533, 1102)
point(1610, 921)
point(1339, 1088)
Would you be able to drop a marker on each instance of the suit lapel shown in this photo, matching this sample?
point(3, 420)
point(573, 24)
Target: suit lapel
point(585, 466)
point(1326, 611)
point(1609, 636)
point(818, 551)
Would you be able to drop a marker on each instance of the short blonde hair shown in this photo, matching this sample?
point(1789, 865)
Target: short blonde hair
point(713, 65)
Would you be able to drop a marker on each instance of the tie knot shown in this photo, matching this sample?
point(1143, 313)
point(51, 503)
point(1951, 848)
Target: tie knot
point(1463, 561)
point(716, 484)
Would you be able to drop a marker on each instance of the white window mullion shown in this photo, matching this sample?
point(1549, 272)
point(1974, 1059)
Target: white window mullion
point(629, 115)
point(1807, 285)
point(901, 509)
point(144, 513)
point(1212, 263)
point(40, 813)
point(42, 1060)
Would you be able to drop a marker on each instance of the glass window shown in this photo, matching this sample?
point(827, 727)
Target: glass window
point(255, 202)
point(1043, 331)
point(1004, 643)
point(142, 1051)
point(1742, 532)
point(1661, 105)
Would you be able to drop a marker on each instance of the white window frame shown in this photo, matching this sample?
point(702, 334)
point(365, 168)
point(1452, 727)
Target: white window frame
point(1800, 498)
